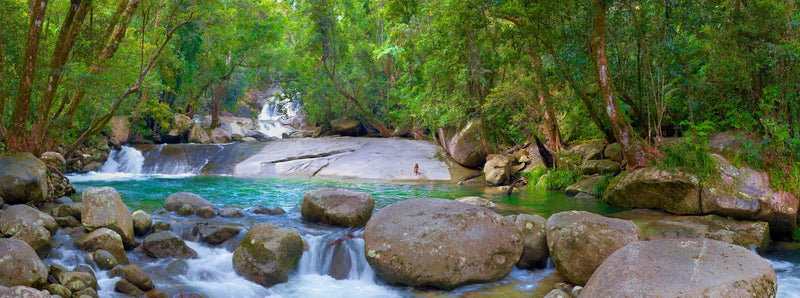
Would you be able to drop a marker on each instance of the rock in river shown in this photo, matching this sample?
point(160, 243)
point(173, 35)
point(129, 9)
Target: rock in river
point(175, 201)
point(103, 239)
point(579, 241)
point(103, 208)
point(534, 252)
point(267, 254)
point(440, 243)
point(691, 267)
point(337, 207)
point(166, 244)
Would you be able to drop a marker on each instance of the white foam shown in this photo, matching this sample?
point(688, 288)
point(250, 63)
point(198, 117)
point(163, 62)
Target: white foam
point(314, 285)
point(788, 278)
point(126, 160)
point(212, 274)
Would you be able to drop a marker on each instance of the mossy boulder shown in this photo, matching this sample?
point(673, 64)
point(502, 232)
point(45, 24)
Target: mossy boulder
point(580, 241)
point(584, 188)
point(166, 244)
point(103, 239)
point(142, 222)
point(23, 179)
point(216, 234)
point(464, 144)
point(22, 291)
point(588, 151)
point(77, 281)
point(337, 207)
point(19, 217)
point(613, 152)
point(683, 268)
point(267, 254)
point(441, 243)
point(103, 208)
point(134, 275)
point(599, 166)
point(346, 127)
point(21, 266)
point(653, 188)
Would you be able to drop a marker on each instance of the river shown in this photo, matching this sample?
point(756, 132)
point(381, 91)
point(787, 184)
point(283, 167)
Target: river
point(146, 187)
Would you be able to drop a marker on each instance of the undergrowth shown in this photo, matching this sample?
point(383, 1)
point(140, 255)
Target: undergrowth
point(689, 158)
point(553, 180)
point(602, 185)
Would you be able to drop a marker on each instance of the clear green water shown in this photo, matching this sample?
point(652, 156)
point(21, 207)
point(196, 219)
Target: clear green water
point(149, 194)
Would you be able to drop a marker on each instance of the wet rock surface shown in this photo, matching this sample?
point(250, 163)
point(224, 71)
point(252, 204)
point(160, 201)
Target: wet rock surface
point(337, 207)
point(267, 254)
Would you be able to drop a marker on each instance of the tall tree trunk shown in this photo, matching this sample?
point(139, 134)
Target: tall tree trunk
point(19, 117)
point(216, 103)
point(112, 39)
point(2, 93)
point(636, 152)
point(66, 39)
point(554, 140)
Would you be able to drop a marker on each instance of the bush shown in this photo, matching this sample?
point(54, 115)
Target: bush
point(602, 185)
point(558, 179)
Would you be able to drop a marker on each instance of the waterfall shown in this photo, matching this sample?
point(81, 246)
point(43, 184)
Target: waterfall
point(276, 116)
point(344, 260)
point(126, 160)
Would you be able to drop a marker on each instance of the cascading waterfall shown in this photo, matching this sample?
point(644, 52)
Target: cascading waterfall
point(126, 160)
point(272, 121)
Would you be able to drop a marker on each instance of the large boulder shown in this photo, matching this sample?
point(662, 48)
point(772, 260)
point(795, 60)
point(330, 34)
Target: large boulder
point(175, 201)
point(534, 251)
point(497, 170)
point(337, 207)
point(683, 268)
point(580, 241)
point(103, 208)
point(120, 128)
point(465, 146)
point(19, 217)
point(134, 275)
point(584, 188)
point(653, 188)
point(588, 151)
point(22, 291)
point(103, 239)
point(38, 238)
point(166, 244)
point(23, 179)
point(346, 127)
point(20, 265)
point(745, 193)
point(613, 152)
point(440, 243)
point(216, 234)
point(658, 225)
point(267, 254)
point(220, 135)
point(198, 135)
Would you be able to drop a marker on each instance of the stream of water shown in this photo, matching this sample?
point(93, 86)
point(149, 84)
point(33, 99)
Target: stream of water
point(144, 182)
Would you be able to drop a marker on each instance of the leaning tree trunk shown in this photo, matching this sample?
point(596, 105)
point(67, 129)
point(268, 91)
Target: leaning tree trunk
point(2, 94)
point(636, 152)
point(16, 140)
point(40, 130)
point(554, 140)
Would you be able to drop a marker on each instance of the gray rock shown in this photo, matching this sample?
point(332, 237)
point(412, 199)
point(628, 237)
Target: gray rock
point(337, 207)
point(177, 200)
point(440, 243)
point(167, 244)
point(105, 239)
point(77, 281)
point(19, 217)
point(120, 129)
point(87, 292)
point(28, 270)
point(133, 274)
point(23, 179)
point(465, 146)
point(103, 208)
point(64, 200)
point(217, 234)
point(54, 159)
point(477, 201)
point(73, 210)
point(267, 254)
point(269, 210)
point(588, 151)
point(38, 238)
point(585, 187)
point(23, 292)
point(497, 170)
point(205, 212)
point(557, 293)
point(127, 288)
point(580, 241)
point(198, 135)
point(142, 222)
point(161, 226)
point(685, 268)
point(230, 212)
point(653, 188)
point(220, 136)
point(534, 251)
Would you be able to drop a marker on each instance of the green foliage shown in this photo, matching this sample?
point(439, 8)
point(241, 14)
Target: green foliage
point(688, 157)
point(534, 175)
point(602, 185)
point(558, 179)
point(151, 116)
point(796, 234)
